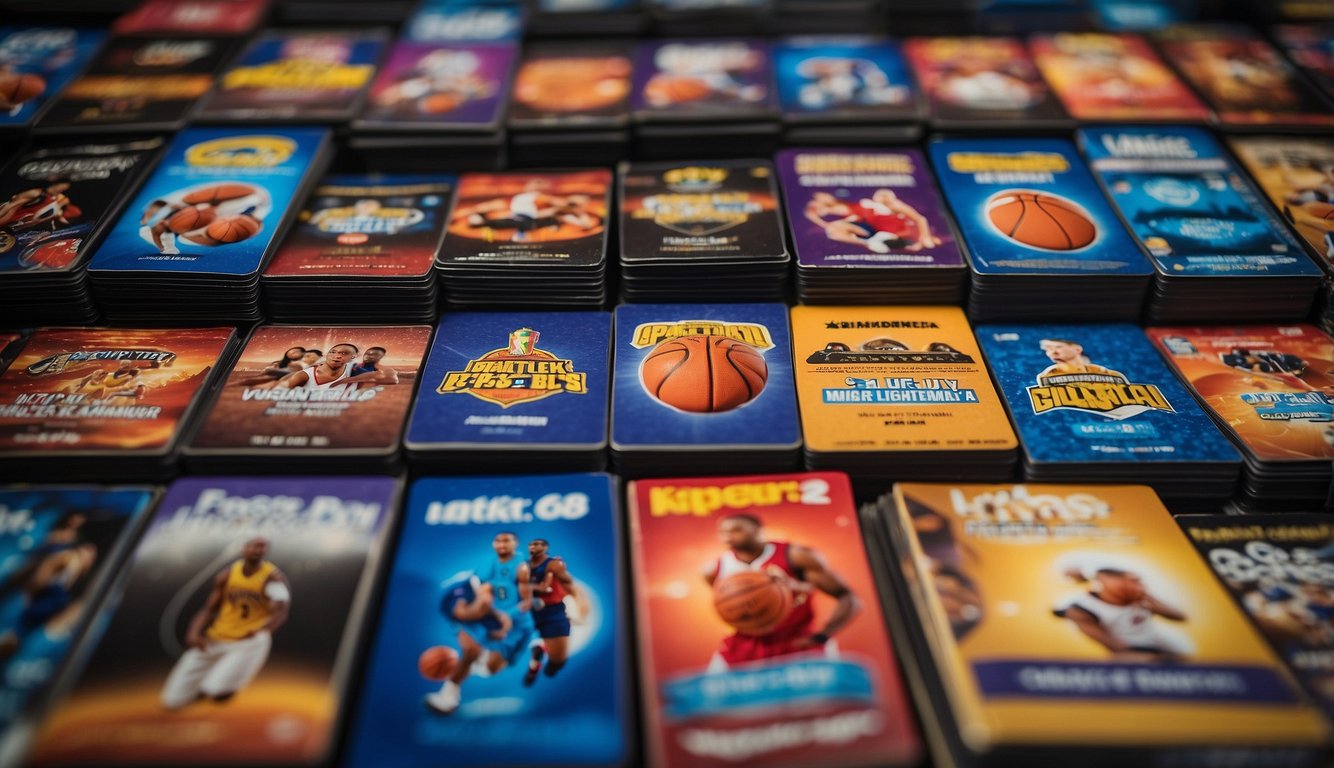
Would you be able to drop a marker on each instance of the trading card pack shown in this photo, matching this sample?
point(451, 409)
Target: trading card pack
point(449, 21)
point(1101, 76)
point(205, 223)
point(982, 83)
point(503, 639)
point(1097, 403)
point(104, 403)
point(570, 104)
point(363, 249)
point(224, 18)
point(770, 574)
point(1046, 623)
point(697, 385)
point(1041, 239)
point(312, 398)
point(1297, 175)
point(514, 389)
point(57, 203)
point(1270, 388)
point(237, 621)
point(869, 226)
point(888, 393)
point(853, 89)
point(705, 231)
point(36, 63)
point(1311, 48)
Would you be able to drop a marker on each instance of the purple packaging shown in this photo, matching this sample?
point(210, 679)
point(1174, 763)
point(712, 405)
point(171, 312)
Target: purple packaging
point(441, 87)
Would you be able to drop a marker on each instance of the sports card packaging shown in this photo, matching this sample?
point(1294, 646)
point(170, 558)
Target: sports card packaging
point(240, 614)
point(224, 18)
point(983, 83)
point(1269, 388)
point(36, 63)
point(503, 639)
point(854, 89)
point(57, 203)
point(313, 398)
point(1280, 570)
point(1243, 78)
point(703, 231)
point(192, 243)
point(1046, 623)
point(869, 226)
point(1097, 403)
point(532, 239)
point(1101, 76)
point(727, 83)
point(10, 344)
point(570, 104)
point(701, 386)
point(303, 75)
point(104, 404)
point(514, 389)
point(451, 21)
point(1219, 253)
point(786, 656)
point(1041, 240)
point(1311, 48)
point(888, 393)
point(363, 249)
point(139, 84)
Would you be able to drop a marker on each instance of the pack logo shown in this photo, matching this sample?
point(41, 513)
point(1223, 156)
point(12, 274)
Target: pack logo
point(241, 152)
point(54, 364)
point(1073, 382)
point(518, 373)
point(652, 334)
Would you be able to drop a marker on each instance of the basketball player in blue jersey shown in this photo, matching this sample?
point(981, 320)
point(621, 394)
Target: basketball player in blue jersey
point(370, 371)
point(49, 581)
point(551, 583)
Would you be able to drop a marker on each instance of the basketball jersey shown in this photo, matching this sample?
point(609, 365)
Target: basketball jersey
point(313, 382)
point(538, 574)
point(772, 559)
point(360, 369)
point(503, 578)
point(527, 204)
point(462, 591)
point(245, 607)
point(882, 218)
point(1131, 624)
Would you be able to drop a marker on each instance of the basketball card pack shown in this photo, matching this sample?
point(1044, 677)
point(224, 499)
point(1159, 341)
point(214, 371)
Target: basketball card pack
point(1100, 76)
point(889, 393)
point(1297, 175)
point(1041, 239)
point(980, 82)
point(703, 231)
point(1271, 389)
point(1311, 48)
point(699, 384)
point(869, 226)
point(36, 63)
point(503, 639)
point(104, 403)
point(1047, 623)
point(461, 21)
point(514, 389)
point(440, 87)
point(571, 104)
point(528, 238)
point(363, 249)
point(312, 398)
point(1280, 570)
point(229, 18)
point(845, 88)
point(1097, 403)
point(307, 76)
point(139, 85)
point(787, 662)
point(57, 203)
point(203, 226)
point(231, 636)
point(1219, 252)
point(1247, 82)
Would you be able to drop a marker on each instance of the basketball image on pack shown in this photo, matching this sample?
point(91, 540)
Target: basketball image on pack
point(1041, 220)
point(35, 64)
point(704, 374)
point(208, 215)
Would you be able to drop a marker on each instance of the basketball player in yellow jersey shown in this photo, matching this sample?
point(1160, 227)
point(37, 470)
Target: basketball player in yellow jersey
point(1068, 357)
point(230, 635)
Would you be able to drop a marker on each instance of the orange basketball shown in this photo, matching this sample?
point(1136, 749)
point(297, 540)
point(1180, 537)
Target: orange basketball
point(189, 219)
point(752, 602)
point(666, 90)
point(218, 193)
point(437, 663)
point(704, 374)
point(1040, 220)
point(233, 229)
point(437, 103)
point(16, 89)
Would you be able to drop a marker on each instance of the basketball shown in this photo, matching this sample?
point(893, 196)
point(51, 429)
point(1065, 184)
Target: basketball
point(15, 89)
point(437, 103)
point(189, 219)
point(666, 90)
point(1040, 220)
point(233, 229)
point(1121, 591)
point(752, 602)
point(704, 374)
point(217, 193)
point(437, 663)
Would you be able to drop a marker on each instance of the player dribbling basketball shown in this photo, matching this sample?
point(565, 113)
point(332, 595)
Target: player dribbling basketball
point(1119, 613)
point(208, 214)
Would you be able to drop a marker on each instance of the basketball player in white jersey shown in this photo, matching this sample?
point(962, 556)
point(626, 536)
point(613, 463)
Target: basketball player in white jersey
point(1118, 613)
point(332, 373)
point(230, 635)
point(155, 224)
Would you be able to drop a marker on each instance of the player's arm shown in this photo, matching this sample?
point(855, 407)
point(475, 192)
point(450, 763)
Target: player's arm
point(194, 635)
point(291, 380)
point(817, 573)
point(1162, 609)
point(813, 216)
point(521, 578)
point(382, 376)
point(559, 572)
point(280, 596)
point(1090, 626)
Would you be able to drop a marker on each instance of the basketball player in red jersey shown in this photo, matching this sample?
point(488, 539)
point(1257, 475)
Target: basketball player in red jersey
point(877, 223)
point(551, 582)
point(32, 208)
point(803, 570)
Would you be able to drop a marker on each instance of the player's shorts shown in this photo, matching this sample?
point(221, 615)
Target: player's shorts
point(42, 608)
point(516, 641)
point(739, 648)
point(868, 230)
point(224, 667)
point(552, 621)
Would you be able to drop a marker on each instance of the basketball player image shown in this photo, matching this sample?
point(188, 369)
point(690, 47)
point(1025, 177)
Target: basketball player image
point(1068, 357)
point(371, 369)
point(1120, 614)
point(101, 384)
point(983, 84)
point(1270, 366)
point(690, 73)
point(878, 223)
point(333, 372)
point(802, 571)
point(312, 358)
point(1312, 204)
point(33, 208)
point(1237, 76)
point(230, 635)
point(508, 578)
point(529, 211)
point(290, 363)
point(51, 581)
point(441, 81)
point(210, 214)
point(837, 81)
point(552, 582)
